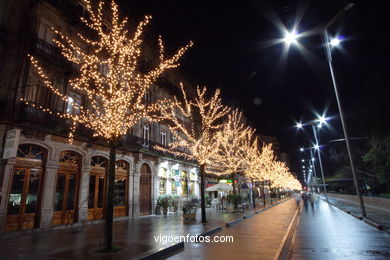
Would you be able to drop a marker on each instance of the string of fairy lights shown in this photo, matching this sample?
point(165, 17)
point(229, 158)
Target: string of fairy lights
point(114, 98)
point(222, 141)
point(213, 134)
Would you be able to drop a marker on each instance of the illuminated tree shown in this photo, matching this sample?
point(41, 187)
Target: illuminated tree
point(259, 162)
point(195, 123)
point(282, 177)
point(232, 138)
point(109, 77)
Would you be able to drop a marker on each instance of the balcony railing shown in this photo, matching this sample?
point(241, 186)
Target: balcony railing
point(27, 115)
point(49, 53)
point(135, 143)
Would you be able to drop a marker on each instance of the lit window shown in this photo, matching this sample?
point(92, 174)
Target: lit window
point(74, 103)
point(163, 135)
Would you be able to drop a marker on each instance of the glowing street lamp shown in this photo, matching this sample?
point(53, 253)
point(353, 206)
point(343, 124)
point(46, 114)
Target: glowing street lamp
point(328, 52)
point(301, 149)
point(321, 120)
point(299, 125)
point(291, 37)
point(334, 42)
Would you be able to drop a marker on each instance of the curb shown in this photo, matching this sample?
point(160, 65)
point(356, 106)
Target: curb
point(356, 215)
point(366, 220)
point(285, 246)
point(373, 223)
point(210, 231)
point(248, 216)
point(232, 223)
point(160, 253)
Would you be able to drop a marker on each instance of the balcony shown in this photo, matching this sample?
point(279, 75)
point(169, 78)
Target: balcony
point(32, 117)
point(49, 53)
point(139, 144)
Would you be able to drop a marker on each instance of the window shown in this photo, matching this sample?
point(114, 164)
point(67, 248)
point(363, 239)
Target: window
point(162, 186)
point(74, 103)
point(145, 134)
point(103, 69)
point(45, 32)
point(163, 135)
point(147, 96)
point(174, 139)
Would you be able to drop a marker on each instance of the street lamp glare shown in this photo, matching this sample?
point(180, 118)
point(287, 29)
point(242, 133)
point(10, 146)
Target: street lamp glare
point(316, 147)
point(301, 149)
point(313, 159)
point(299, 125)
point(322, 120)
point(291, 37)
point(303, 160)
point(335, 42)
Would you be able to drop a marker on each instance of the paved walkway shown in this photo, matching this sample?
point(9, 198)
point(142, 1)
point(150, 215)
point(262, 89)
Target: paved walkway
point(379, 214)
point(325, 232)
point(137, 235)
point(255, 238)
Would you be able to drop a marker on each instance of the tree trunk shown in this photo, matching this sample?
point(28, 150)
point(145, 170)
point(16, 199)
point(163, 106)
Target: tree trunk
point(264, 193)
point(253, 194)
point(202, 195)
point(109, 211)
point(235, 201)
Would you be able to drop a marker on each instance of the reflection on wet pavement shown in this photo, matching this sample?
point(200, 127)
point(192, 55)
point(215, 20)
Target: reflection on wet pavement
point(325, 232)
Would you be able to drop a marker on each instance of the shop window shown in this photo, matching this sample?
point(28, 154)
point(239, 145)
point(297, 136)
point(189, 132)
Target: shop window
point(162, 186)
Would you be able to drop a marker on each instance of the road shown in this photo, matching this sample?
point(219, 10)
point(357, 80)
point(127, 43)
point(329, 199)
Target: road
point(325, 232)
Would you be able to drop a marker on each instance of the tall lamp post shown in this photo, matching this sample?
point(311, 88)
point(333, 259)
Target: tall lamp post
point(292, 38)
point(327, 45)
point(317, 147)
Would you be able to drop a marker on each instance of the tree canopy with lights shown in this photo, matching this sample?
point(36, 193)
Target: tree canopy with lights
point(108, 60)
point(195, 123)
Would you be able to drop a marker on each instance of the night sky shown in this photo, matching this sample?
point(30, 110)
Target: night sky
point(233, 51)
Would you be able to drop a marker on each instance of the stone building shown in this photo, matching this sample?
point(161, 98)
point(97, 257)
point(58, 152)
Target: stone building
point(45, 182)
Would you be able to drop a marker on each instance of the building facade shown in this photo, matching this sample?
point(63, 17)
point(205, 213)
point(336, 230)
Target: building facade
point(46, 182)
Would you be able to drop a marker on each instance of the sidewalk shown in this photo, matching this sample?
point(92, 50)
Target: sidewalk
point(325, 232)
point(137, 235)
point(258, 237)
point(378, 214)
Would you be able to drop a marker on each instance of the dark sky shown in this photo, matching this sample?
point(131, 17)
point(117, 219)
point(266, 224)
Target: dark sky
point(232, 52)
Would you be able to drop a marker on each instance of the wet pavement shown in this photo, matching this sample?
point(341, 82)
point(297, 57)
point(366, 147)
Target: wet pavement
point(326, 232)
point(258, 237)
point(378, 214)
point(136, 235)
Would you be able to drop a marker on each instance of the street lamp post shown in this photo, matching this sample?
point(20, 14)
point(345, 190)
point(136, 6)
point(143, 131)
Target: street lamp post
point(328, 53)
point(292, 38)
point(319, 157)
point(314, 168)
point(321, 121)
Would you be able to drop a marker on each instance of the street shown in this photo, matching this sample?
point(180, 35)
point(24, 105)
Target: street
point(325, 232)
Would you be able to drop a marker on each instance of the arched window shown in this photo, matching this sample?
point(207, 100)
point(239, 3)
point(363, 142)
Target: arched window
point(67, 188)
point(121, 188)
point(25, 188)
point(97, 187)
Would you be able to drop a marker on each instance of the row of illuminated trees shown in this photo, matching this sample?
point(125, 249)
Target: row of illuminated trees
point(220, 140)
point(217, 138)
